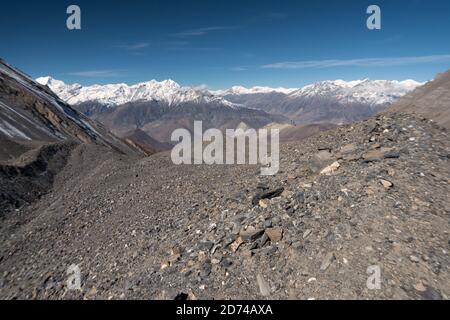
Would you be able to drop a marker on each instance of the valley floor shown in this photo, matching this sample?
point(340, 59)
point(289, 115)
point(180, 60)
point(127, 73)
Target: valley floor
point(147, 229)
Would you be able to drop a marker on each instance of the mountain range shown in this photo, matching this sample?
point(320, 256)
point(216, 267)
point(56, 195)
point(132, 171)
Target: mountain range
point(371, 92)
point(157, 108)
point(334, 102)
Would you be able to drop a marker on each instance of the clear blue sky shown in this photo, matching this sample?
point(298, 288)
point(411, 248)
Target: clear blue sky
point(222, 43)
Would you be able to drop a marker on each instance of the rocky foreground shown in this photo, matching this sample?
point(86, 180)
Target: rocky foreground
point(371, 194)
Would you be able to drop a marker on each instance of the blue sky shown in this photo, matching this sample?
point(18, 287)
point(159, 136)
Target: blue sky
point(223, 43)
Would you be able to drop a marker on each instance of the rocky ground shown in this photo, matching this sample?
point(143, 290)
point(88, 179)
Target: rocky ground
point(371, 194)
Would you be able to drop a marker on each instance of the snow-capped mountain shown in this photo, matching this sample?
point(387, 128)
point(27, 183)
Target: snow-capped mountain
point(239, 90)
point(336, 101)
point(372, 92)
point(157, 106)
point(341, 101)
point(167, 91)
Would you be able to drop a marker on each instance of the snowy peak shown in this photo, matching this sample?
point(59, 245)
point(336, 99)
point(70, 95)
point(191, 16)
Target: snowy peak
point(239, 90)
point(45, 81)
point(167, 91)
point(373, 92)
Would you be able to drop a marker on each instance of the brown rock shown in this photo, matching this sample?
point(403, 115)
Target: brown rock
point(263, 204)
point(331, 168)
point(274, 234)
point(349, 148)
point(380, 154)
point(386, 184)
point(236, 244)
point(251, 234)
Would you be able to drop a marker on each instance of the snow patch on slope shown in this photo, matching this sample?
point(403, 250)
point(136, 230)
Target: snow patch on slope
point(11, 131)
point(29, 84)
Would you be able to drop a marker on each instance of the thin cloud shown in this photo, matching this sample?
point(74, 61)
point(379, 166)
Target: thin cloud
point(202, 31)
point(134, 46)
point(239, 68)
point(275, 16)
point(96, 73)
point(201, 49)
point(369, 62)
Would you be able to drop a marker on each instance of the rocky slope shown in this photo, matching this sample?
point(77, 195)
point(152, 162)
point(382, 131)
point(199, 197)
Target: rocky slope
point(38, 131)
point(31, 112)
point(376, 196)
point(368, 196)
point(145, 142)
point(289, 133)
point(432, 100)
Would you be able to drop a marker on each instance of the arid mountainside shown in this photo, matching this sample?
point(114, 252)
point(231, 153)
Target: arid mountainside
point(145, 142)
point(31, 112)
point(370, 194)
point(367, 196)
point(37, 133)
point(159, 120)
point(431, 100)
point(289, 133)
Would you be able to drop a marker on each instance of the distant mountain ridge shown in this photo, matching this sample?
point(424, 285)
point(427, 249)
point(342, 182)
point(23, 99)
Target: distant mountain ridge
point(335, 101)
point(157, 108)
point(373, 92)
point(167, 91)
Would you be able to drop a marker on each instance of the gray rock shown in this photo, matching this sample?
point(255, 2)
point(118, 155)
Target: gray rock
point(327, 261)
point(205, 245)
point(267, 195)
point(226, 263)
point(306, 233)
point(264, 287)
point(251, 234)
